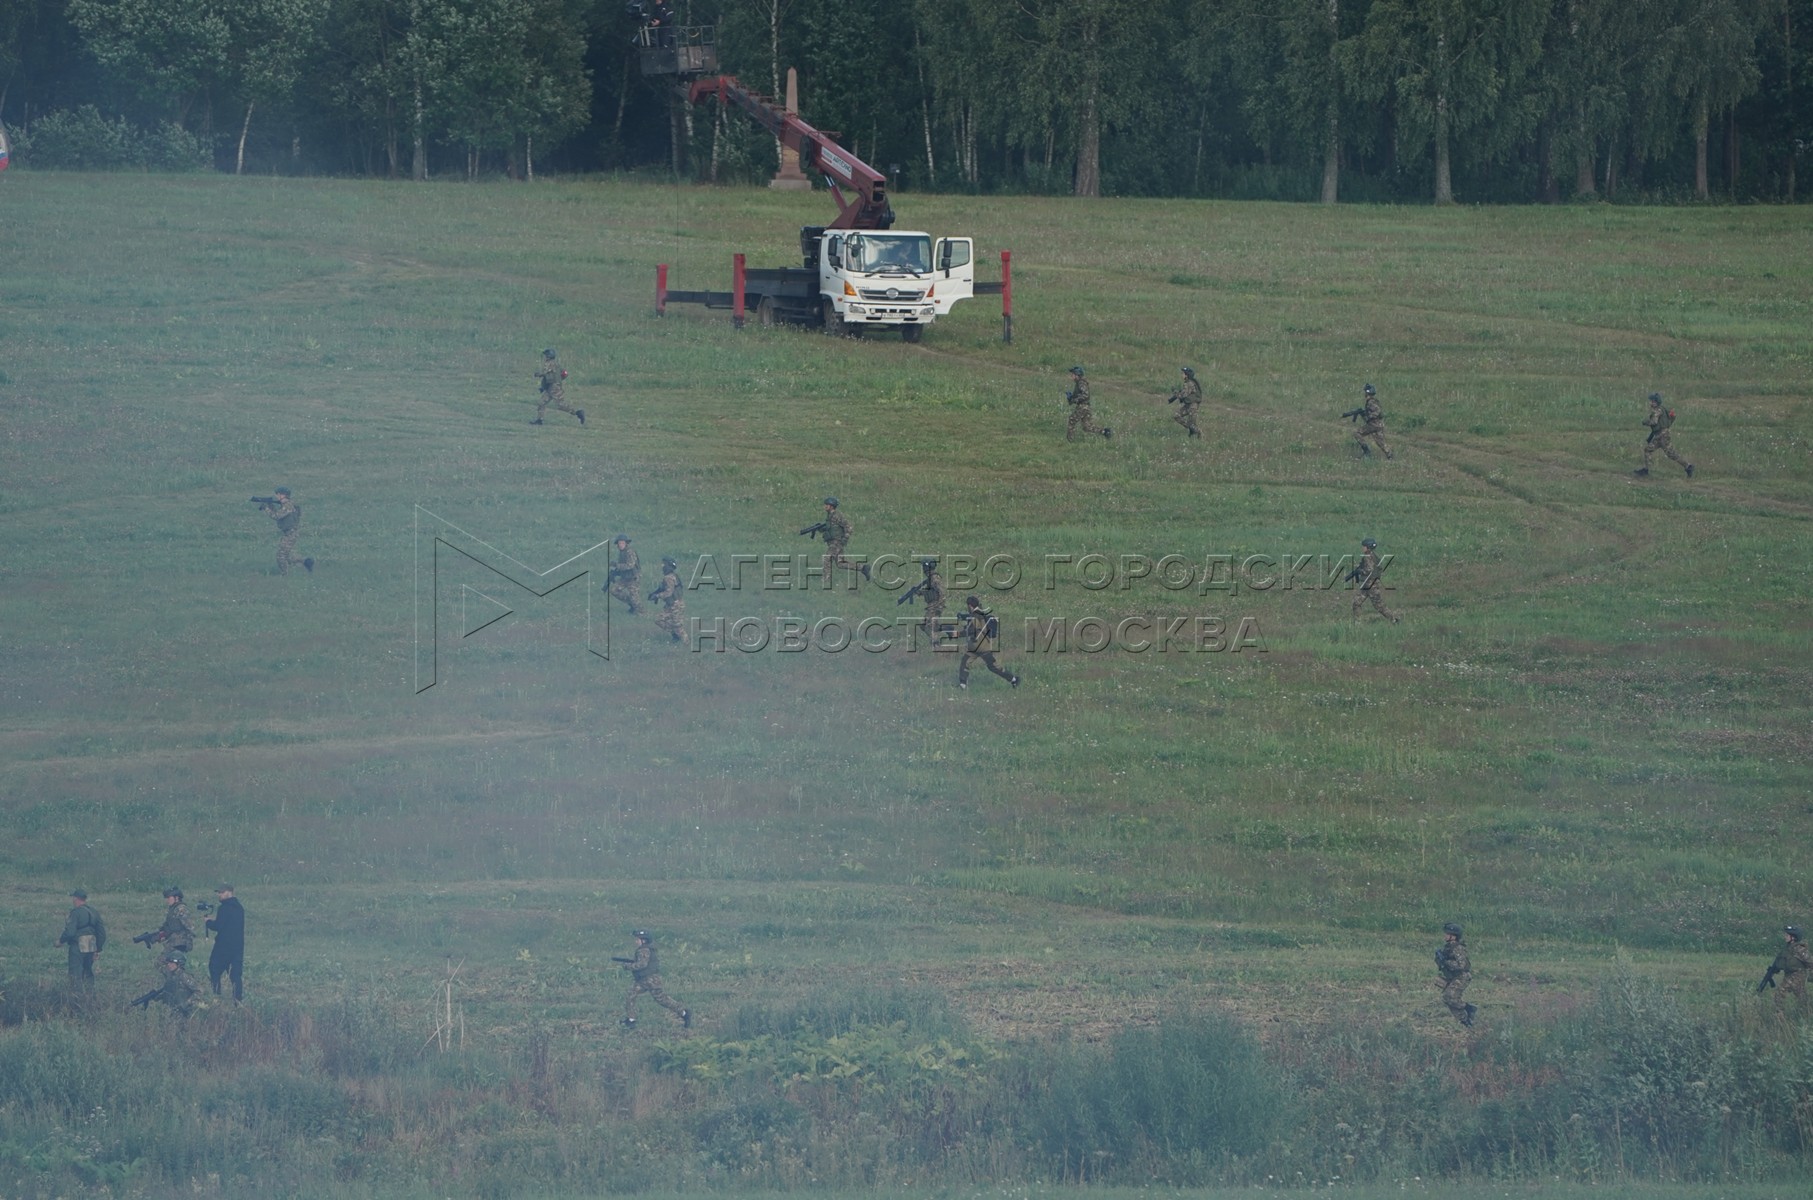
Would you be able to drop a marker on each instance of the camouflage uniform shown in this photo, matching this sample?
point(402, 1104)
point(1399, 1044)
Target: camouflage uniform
point(1658, 422)
point(83, 922)
point(980, 633)
point(288, 515)
point(1374, 426)
point(1370, 570)
point(178, 930)
point(645, 970)
point(553, 379)
point(1795, 960)
point(626, 578)
point(837, 535)
point(933, 594)
point(179, 989)
point(1082, 416)
point(671, 597)
point(1189, 399)
point(1457, 972)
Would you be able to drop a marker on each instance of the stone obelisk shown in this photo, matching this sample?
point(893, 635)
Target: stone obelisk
point(790, 177)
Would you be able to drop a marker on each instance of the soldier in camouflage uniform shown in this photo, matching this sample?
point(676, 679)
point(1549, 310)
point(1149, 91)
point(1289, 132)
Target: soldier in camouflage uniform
point(1082, 416)
point(930, 590)
point(86, 936)
point(1374, 426)
point(837, 535)
point(626, 576)
point(178, 930)
point(288, 515)
point(671, 596)
point(1792, 964)
point(645, 970)
point(178, 989)
point(981, 634)
point(1658, 422)
point(1457, 972)
point(1188, 399)
point(1367, 573)
point(553, 379)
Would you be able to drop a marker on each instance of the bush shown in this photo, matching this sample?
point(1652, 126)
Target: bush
point(84, 140)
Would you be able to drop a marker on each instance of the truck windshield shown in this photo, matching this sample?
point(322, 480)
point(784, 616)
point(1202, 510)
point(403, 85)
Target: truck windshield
point(881, 253)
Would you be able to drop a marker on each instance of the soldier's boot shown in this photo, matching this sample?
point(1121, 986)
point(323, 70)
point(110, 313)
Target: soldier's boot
point(308, 564)
point(1013, 681)
point(1468, 1019)
point(686, 1018)
point(628, 1022)
point(1690, 470)
point(1641, 472)
point(536, 421)
point(865, 570)
point(1365, 450)
point(1107, 432)
point(1389, 455)
point(1195, 433)
point(580, 413)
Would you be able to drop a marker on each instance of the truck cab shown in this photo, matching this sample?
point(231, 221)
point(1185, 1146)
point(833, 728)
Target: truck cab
point(890, 279)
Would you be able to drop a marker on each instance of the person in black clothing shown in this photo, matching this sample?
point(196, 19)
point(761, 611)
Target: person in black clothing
point(228, 929)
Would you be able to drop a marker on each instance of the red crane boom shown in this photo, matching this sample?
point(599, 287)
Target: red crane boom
point(866, 208)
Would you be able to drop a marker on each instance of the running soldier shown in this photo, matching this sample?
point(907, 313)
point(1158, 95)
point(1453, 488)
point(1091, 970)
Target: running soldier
point(626, 576)
point(1658, 422)
point(86, 936)
point(931, 590)
point(980, 634)
point(1082, 416)
point(672, 598)
point(1457, 972)
point(645, 970)
point(836, 529)
point(1792, 964)
point(553, 379)
point(1367, 574)
point(1373, 419)
point(1188, 398)
point(288, 515)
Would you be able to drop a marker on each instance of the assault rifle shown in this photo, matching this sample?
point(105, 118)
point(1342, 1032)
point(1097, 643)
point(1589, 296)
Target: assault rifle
point(1768, 978)
point(1354, 414)
point(911, 593)
point(266, 501)
point(145, 1000)
point(150, 936)
point(614, 958)
point(812, 531)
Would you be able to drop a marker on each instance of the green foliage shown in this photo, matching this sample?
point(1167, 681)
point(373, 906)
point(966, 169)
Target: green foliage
point(84, 140)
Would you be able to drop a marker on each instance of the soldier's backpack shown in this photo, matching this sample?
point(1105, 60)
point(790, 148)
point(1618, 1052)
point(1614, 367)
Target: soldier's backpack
point(1667, 418)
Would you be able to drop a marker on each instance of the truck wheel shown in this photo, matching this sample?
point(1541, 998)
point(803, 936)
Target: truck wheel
point(911, 333)
point(834, 321)
point(765, 316)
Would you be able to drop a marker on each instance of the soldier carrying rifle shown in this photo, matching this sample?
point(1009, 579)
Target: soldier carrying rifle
point(1374, 419)
point(288, 515)
point(1792, 964)
point(645, 970)
point(931, 590)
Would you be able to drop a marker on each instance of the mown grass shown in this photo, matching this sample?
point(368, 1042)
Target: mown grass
point(1590, 730)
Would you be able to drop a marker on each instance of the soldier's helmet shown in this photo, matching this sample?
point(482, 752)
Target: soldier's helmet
point(173, 891)
point(930, 564)
point(624, 538)
point(1369, 390)
point(282, 491)
point(1190, 371)
point(1076, 370)
point(973, 600)
point(642, 935)
point(831, 500)
point(1452, 928)
point(1655, 397)
point(548, 353)
point(1369, 543)
point(177, 957)
point(1792, 931)
point(670, 563)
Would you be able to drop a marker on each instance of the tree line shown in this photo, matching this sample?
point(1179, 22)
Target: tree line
point(1439, 100)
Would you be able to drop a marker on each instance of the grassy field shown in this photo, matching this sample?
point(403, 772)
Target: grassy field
point(1588, 739)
